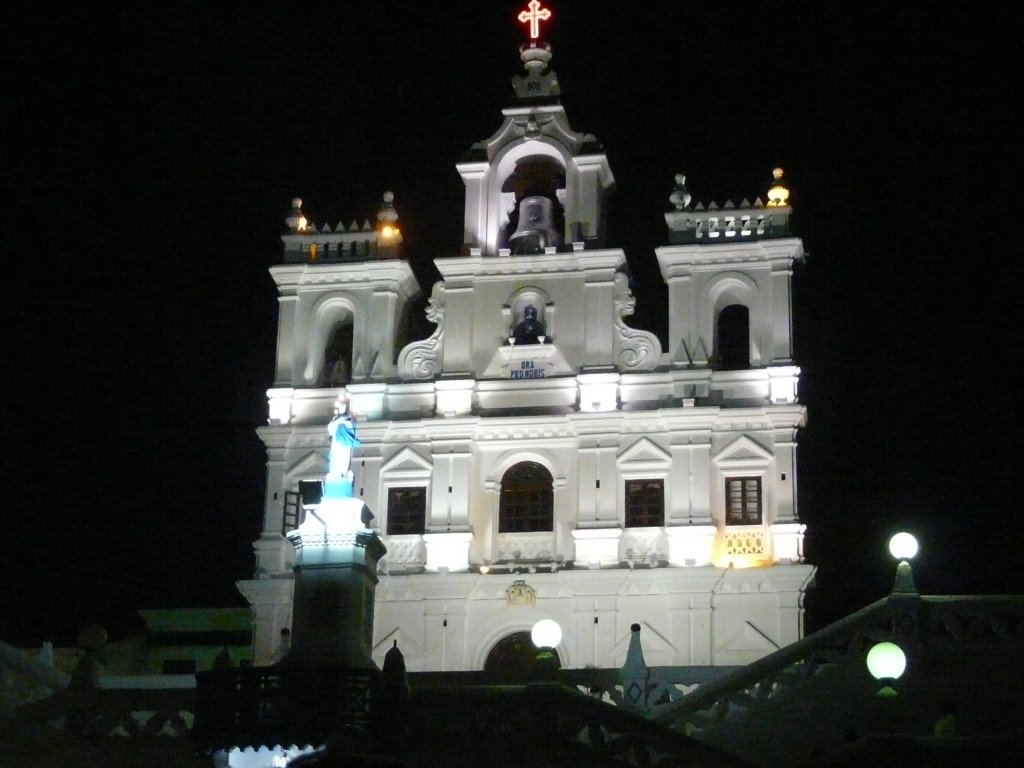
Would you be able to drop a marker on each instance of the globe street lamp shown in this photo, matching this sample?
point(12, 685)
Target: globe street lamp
point(546, 635)
point(886, 662)
point(903, 546)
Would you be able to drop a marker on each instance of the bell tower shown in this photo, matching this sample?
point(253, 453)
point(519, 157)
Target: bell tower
point(536, 157)
point(343, 293)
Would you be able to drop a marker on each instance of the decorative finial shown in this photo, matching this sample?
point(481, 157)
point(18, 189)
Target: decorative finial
point(295, 220)
point(778, 194)
point(387, 216)
point(534, 15)
point(387, 213)
point(680, 196)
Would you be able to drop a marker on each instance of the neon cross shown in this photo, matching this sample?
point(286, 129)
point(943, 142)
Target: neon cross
point(535, 15)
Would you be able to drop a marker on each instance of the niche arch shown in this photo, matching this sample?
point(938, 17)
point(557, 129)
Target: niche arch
point(515, 309)
point(724, 294)
point(328, 319)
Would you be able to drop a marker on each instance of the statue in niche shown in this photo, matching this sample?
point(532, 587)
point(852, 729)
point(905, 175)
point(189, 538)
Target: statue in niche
point(529, 329)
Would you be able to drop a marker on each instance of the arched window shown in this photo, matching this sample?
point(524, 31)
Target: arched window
point(733, 336)
point(337, 370)
point(527, 499)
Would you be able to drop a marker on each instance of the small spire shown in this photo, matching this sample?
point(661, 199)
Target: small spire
point(635, 674)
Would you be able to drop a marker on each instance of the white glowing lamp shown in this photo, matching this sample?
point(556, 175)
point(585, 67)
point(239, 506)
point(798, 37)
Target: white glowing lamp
point(886, 661)
point(903, 546)
point(546, 633)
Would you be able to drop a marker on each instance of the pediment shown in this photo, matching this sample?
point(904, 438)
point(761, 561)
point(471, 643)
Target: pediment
point(526, 127)
point(644, 452)
point(313, 464)
point(651, 641)
point(743, 450)
point(407, 461)
point(406, 644)
point(748, 639)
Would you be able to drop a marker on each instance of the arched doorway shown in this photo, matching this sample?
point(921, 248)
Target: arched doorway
point(514, 657)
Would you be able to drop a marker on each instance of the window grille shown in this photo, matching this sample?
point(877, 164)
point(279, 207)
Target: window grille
point(407, 511)
point(743, 501)
point(645, 503)
point(527, 499)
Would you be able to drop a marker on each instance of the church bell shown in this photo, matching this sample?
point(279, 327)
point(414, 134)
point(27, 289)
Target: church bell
point(535, 230)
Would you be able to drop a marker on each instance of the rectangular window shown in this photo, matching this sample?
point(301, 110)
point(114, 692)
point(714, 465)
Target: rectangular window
point(407, 510)
point(743, 501)
point(645, 503)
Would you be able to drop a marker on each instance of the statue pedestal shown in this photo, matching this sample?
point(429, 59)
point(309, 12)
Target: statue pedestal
point(335, 578)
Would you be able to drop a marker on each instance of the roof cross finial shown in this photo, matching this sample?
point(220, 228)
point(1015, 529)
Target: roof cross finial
point(534, 16)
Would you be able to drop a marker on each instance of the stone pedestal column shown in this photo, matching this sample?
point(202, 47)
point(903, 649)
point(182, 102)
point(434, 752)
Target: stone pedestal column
point(335, 578)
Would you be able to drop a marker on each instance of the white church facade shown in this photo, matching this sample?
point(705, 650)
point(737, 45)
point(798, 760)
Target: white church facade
point(535, 456)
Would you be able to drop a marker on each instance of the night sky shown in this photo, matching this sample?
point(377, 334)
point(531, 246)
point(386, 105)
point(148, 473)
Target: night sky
point(153, 152)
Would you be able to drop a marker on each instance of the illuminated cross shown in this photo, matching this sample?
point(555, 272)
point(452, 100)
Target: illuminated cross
point(535, 15)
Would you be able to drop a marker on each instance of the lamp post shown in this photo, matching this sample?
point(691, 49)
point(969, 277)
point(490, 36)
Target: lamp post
point(546, 635)
point(903, 546)
point(886, 662)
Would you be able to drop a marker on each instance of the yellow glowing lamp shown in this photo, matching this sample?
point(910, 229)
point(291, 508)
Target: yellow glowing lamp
point(778, 194)
point(388, 232)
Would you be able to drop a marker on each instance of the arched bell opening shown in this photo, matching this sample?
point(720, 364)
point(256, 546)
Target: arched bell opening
point(536, 220)
point(337, 367)
point(732, 339)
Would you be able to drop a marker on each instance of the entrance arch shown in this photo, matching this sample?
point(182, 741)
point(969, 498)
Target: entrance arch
point(514, 657)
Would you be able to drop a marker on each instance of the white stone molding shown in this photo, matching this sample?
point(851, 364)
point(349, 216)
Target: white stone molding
point(447, 551)
point(635, 350)
point(643, 546)
point(366, 401)
point(404, 552)
point(598, 391)
point(596, 547)
point(691, 545)
point(788, 542)
point(279, 405)
point(454, 397)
